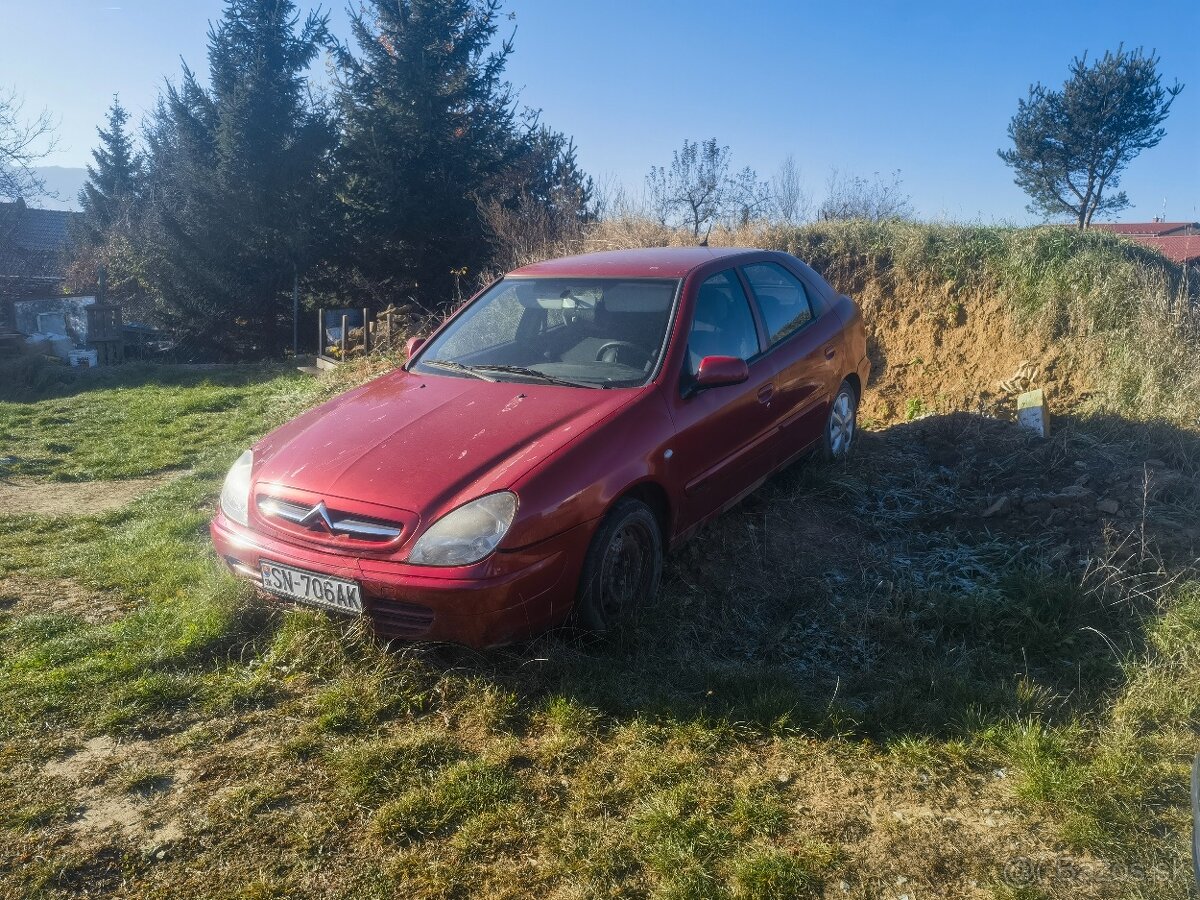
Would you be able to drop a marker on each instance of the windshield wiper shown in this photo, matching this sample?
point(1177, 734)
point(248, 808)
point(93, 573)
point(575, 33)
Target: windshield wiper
point(540, 376)
point(456, 367)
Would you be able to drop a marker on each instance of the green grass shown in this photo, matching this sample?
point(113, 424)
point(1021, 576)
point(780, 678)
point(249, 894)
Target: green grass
point(143, 421)
point(852, 685)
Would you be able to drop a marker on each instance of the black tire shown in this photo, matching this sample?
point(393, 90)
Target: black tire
point(622, 570)
point(841, 427)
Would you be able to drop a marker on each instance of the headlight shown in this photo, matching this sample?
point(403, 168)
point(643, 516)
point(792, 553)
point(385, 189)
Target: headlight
point(235, 494)
point(467, 534)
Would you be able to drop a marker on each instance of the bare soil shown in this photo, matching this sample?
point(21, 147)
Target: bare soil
point(25, 595)
point(939, 351)
point(55, 499)
point(119, 790)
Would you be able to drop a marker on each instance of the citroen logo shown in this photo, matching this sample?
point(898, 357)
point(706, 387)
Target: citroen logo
point(318, 516)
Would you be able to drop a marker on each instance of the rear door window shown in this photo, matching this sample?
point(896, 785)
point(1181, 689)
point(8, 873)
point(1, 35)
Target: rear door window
point(782, 299)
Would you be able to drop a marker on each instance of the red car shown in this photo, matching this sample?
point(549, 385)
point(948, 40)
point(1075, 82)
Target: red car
point(543, 447)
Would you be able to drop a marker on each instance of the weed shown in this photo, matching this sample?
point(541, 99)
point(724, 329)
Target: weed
point(450, 797)
point(778, 875)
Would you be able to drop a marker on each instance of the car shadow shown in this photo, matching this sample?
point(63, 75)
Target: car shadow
point(957, 570)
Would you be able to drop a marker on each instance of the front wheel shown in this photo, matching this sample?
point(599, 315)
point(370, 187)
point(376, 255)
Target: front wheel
point(622, 570)
point(842, 427)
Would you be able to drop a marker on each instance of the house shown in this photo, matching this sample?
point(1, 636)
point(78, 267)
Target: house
point(1177, 241)
point(1182, 248)
point(1157, 228)
point(33, 255)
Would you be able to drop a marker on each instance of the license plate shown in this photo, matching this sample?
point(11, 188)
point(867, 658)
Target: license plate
point(336, 594)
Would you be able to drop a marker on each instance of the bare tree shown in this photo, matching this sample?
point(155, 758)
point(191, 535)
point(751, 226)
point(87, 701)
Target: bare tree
point(696, 190)
point(854, 197)
point(610, 198)
point(746, 198)
point(791, 203)
point(22, 143)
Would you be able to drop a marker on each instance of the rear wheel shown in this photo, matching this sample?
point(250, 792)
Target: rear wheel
point(842, 427)
point(622, 570)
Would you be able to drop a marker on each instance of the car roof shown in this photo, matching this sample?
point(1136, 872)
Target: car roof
point(647, 262)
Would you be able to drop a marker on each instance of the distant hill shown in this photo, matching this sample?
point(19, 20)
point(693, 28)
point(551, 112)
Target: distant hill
point(62, 187)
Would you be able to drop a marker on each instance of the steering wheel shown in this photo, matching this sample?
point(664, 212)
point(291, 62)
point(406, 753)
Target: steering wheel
point(610, 351)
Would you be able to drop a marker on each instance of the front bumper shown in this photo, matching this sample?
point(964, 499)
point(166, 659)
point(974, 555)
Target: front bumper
point(511, 596)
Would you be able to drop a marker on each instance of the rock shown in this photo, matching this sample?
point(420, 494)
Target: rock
point(1109, 507)
point(1001, 507)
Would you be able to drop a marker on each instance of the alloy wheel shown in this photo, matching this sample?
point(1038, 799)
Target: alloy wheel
point(841, 424)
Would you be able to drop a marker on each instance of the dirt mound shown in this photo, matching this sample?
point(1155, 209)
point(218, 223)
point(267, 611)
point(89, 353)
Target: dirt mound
point(936, 351)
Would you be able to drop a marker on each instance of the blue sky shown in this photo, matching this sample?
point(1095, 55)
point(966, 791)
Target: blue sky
point(926, 88)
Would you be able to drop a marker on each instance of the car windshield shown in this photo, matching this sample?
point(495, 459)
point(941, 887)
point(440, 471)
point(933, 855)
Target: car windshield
point(585, 332)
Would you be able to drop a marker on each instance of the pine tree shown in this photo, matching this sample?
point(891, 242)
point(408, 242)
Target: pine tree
point(542, 202)
point(114, 183)
point(428, 136)
point(242, 194)
point(105, 235)
point(1071, 146)
point(549, 173)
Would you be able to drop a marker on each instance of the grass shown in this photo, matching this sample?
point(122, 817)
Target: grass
point(853, 685)
point(149, 420)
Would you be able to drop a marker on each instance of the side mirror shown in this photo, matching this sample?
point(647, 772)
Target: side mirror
point(412, 345)
point(719, 371)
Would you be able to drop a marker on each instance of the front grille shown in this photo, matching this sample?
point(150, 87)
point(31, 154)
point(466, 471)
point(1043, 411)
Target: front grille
point(321, 520)
point(395, 618)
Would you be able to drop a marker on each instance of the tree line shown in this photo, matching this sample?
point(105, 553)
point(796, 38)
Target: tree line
point(252, 185)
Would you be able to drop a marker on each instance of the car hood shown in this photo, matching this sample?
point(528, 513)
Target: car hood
point(426, 442)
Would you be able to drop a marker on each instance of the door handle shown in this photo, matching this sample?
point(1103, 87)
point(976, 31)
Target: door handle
point(830, 352)
point(766, 393)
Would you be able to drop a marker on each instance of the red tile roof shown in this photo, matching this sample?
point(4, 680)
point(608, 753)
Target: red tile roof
point(1157, 229)
point(1182, 248)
